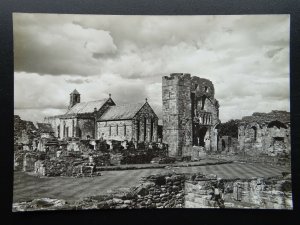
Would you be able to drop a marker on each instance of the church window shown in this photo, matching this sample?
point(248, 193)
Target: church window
point(151, 130)
point(145, 128)
point(138, 130)
point(73, 128)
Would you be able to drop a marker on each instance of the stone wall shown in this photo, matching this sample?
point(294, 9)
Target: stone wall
point(182, 191)
point(143, 119)
point(155, 191)
point(24, 131)
point(116, 130)
point(268, 193)
point(263, 159)
point(265, 133)
point(87, 128)
point(177, 121)
point(190, 113)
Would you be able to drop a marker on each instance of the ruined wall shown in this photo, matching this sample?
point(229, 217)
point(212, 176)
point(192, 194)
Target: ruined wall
point(116, 130)
point(55, 123)
point(269, 193)
point(228, 144)
point(177, 120)
point(190, 113)
point(155, 191)
point(24, 131)
point(265, 133)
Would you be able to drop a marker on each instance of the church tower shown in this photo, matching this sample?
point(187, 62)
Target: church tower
point(74, 98)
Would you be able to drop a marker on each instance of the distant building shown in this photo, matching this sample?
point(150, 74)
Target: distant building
point(265, 133)
point(103, 119)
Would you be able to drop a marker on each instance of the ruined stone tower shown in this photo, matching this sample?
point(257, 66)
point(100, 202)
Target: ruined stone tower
point(190, 113)
point(74, 98)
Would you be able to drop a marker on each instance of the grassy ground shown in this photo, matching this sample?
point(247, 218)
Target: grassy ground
point(27, 187)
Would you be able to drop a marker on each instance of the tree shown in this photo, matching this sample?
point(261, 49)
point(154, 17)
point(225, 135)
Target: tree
point(230, 128)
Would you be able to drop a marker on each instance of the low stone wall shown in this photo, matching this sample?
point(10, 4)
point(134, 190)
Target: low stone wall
point(155, 191)
point(271, 193)
point(61, 167)
point(182, 191)
point(271, 160)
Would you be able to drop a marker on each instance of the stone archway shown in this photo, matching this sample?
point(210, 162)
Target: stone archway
point(199, 138)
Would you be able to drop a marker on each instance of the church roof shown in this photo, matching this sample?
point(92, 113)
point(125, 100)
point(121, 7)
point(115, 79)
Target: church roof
point(123, 112)
point(86, 107)
point(75, 92)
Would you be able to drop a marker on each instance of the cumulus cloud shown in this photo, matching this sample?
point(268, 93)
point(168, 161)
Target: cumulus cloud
point(245, 56)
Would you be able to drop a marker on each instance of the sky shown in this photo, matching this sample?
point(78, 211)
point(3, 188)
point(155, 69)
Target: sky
point(245, 56)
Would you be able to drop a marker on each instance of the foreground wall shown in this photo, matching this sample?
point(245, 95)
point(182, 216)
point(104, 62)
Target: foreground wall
point(182, 191)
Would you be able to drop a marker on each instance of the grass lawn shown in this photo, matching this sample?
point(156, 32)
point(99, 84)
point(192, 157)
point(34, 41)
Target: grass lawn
point(28, 187)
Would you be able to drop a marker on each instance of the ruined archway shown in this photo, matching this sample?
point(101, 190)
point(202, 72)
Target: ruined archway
point(199, 135)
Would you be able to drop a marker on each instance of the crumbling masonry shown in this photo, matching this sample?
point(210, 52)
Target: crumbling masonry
point(190, 114)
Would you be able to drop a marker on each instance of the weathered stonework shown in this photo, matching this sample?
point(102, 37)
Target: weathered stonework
point(265, 133)
point(190, 113)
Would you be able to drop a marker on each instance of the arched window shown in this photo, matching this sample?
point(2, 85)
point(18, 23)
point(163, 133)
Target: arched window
point(254, 133)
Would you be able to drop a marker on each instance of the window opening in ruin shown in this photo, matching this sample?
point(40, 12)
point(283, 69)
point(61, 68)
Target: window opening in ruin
point(145, 128)
point(109, 130)
point(138, 130)
point(64, 131)
point(124, 129)
point(117, 129)
point(67, 131)
point(205, 89)
point(254, 133)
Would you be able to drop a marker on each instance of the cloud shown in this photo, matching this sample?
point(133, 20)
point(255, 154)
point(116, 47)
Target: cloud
point(245, 56)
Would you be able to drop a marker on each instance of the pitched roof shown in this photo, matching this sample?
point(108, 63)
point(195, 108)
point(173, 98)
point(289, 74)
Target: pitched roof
point(45, 128)
point(75, 92)
point(86, 107)
point(127, 111)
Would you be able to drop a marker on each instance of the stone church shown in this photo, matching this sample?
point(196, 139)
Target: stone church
point(104, 119)
point(190, 114)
